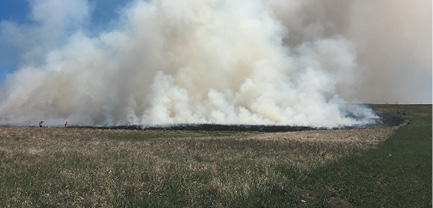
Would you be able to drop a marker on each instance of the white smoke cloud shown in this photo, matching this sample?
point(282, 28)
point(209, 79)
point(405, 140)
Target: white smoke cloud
point(393, 42)
point(189, 61)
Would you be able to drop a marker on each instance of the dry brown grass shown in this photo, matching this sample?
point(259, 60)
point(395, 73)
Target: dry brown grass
point(109, 168)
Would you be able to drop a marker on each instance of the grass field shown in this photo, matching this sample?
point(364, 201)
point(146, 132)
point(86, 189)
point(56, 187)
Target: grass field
point(79, 167)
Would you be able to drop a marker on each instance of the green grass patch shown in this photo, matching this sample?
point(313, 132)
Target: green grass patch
point(396, 174)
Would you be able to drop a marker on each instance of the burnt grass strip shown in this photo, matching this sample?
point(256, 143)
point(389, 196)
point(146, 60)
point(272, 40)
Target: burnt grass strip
point(218, 127)
point(385, 120)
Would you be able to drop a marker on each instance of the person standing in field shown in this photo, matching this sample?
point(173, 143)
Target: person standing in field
point(40, 123)
point(66, 124)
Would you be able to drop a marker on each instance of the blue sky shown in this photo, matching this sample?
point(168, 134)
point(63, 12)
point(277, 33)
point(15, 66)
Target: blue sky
point(14, 10)
point(11, 11)
point(18, 13)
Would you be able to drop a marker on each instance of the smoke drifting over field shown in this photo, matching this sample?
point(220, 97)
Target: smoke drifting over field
point(201, 61)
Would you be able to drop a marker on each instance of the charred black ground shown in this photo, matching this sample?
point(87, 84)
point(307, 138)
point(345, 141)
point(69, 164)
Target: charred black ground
point(387, 118)
point(219, 127)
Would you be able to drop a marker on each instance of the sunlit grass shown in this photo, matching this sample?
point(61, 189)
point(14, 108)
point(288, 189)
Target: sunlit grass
point(398, 173)
point(116, 168)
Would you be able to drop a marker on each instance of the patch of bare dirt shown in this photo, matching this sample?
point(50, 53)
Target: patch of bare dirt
point(337, 202)
point(305, 195)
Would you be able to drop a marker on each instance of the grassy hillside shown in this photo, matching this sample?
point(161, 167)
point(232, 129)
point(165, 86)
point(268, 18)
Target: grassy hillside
point(396, 174)
point(76, 167)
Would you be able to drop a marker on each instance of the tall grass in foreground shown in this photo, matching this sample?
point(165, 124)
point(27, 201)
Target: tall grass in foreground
point(55, 167)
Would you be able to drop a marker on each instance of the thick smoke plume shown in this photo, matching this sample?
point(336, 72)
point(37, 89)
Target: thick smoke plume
point(192, 61)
